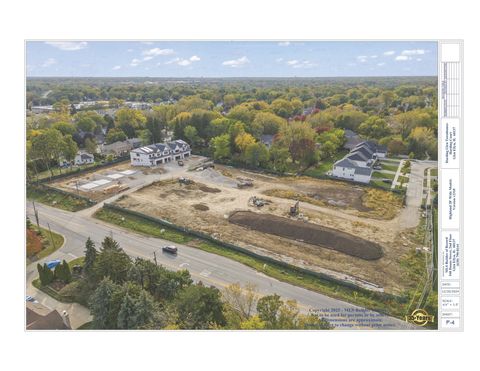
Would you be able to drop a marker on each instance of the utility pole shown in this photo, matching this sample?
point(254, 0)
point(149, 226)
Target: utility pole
point(155, 258)
point(35, 211)
point(51, 236)
point(76, 185)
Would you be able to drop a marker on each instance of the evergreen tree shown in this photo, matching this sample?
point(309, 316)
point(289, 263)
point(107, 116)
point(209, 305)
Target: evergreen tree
point(90, 256)
point(47, 274)
point(110, 244)
point(58, 272)
point(66, 272)
point(126, 316)
point(100, 303)
point(41, 274)
point(144, 309)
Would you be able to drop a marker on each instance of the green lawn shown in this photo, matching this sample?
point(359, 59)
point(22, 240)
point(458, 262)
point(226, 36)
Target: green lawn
point(434, 172)
point(51, 242)
point(57, 199)
point(57, 171)
point(380, 183)
point(325, 165)
point(54, 242)
point(378, 174)
point(403, 179)
point(389, 167)
point(394, 306)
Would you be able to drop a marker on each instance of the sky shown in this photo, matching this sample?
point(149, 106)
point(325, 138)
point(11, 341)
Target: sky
point(230, 58)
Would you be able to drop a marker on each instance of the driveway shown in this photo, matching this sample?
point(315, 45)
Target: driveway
point(410, 215)
point(78, 313)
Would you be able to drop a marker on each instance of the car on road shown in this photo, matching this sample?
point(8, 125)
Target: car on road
point(170, 249)
point(30, 298)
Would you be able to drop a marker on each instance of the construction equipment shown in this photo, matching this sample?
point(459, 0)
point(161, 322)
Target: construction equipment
point(244, 182)
point(185, 181)
point(295, 209)
point(258, 202)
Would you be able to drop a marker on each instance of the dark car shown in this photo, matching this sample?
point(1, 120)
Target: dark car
point(170, 249)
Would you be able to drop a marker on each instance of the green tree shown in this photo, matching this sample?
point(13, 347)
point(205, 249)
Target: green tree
point(268, 308)
point(86, 124)
point(130, 120)
point(90, 145)
point(64, 127)
point(115, 135)
point(221, 147)
point(282, 107)
point(126, 316)
point(423, 142)
point(350, 119)
point(253, 323)
point(199, 307)
point(299, 138)
point(279, 156)
point(219, 126)
point(90, 256)
point(100, 304)
point(269, 122)
point(111, 262)
point(312, 322)
point(109, 243)
point(67, 273)
point(188, 104)
point(48, 146)
point(191, 134)
point(243, 140)
point(70, 148)
point(256, 154)
point(145, 310)
point(242, 113)
point(374, 127)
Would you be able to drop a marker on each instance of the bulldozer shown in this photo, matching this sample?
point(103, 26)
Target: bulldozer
point(295, 209)
point(258, 202)
point(185, 181)
point(244, 182)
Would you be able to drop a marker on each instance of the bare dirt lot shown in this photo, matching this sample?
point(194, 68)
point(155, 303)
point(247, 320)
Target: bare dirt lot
point(207, 204)
point(103, 183)
point(311, 233)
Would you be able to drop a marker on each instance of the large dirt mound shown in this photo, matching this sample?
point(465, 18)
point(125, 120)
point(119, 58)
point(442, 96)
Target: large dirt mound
point(310, 233)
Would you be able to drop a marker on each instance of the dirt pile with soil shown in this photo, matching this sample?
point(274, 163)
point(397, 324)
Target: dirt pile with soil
point(309, 233)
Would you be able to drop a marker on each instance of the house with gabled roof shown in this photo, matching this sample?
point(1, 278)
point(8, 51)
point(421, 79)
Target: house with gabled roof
point(348, 169)
point(159, 153)
point(357, 165)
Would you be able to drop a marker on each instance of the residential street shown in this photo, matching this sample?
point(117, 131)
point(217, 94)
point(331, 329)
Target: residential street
point(208, 268)
point(411, 214)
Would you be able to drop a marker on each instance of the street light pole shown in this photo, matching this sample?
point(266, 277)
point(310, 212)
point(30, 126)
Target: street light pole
point(36, 214)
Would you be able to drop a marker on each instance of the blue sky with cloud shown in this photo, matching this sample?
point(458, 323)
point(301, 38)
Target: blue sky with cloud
point(231, 58)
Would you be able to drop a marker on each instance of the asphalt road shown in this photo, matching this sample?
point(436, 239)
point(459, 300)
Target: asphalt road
point(209, 268)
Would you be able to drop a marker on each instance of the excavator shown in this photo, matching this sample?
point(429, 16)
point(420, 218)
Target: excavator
point(295, 209)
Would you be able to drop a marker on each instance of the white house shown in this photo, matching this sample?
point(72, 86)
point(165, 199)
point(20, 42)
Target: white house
point(83, 158)
point(159, 153)
point(357, 165)
point(347, 169)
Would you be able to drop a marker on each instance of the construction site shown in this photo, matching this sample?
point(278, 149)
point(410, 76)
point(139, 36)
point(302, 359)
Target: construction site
point(353, 233)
